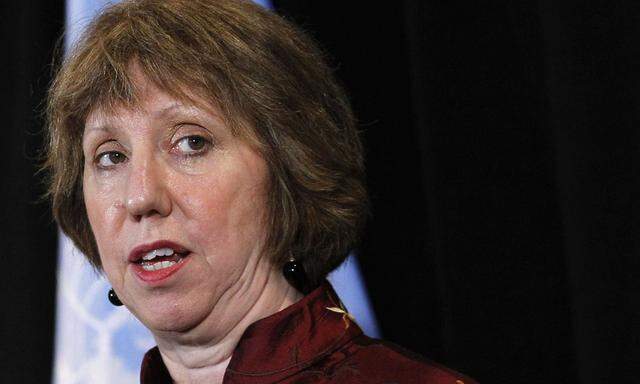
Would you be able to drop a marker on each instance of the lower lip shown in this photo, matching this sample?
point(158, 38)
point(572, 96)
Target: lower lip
point(159, 275)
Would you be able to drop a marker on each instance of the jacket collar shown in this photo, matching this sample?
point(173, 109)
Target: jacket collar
point(280, 345)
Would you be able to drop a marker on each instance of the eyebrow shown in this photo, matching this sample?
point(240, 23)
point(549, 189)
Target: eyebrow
point(93, 128)
point(168, 110)
point(175, 108)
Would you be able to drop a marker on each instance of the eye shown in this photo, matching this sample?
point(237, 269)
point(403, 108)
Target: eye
point(109, 159)
point(192, 145)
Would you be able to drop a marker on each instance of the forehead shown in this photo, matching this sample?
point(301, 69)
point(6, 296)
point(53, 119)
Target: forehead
point(149, 102)
point(152, 105)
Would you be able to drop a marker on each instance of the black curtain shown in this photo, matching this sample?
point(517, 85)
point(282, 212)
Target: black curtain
point(502, 150)
point(29, 30)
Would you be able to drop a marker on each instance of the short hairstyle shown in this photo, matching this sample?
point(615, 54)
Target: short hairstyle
point(273, 87)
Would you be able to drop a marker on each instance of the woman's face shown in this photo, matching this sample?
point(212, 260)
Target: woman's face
point(176, 203)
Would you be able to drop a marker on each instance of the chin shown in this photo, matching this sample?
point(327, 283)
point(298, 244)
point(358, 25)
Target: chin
point(171, 320)
point(164, 314)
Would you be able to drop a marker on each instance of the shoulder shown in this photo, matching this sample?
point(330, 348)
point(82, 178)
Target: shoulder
point(367, 360)
point(399, 362)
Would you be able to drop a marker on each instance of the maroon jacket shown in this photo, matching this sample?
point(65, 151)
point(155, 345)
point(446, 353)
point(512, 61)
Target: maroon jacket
point(314, 341)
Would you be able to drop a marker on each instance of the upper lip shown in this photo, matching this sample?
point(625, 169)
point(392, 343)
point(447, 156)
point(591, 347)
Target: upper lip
point(142, 249)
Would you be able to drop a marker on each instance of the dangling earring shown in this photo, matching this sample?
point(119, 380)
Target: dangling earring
point(113, 298)
point(293, 271)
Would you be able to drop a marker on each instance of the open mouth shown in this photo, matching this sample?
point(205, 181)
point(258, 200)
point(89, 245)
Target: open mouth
point(158, 260)
point(161, 258)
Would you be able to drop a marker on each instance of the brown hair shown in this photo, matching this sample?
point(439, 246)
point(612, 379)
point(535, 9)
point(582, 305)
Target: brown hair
point(271, 84)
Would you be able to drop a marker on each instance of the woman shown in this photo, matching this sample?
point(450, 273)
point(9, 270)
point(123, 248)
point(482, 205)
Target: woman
point(203, 157)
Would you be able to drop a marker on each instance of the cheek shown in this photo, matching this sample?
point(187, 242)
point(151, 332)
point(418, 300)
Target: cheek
point(227, 213)
point(101, 213)
point(222, 212)
point(105, 213)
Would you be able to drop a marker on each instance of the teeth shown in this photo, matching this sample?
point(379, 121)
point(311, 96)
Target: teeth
point(158, 252)
point(157, 266)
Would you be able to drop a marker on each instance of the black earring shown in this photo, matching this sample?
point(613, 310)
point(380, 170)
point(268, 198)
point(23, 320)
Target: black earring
point(113, 298)
point(293, 271)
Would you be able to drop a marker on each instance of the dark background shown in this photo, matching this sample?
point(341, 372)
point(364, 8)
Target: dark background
point(502, 152)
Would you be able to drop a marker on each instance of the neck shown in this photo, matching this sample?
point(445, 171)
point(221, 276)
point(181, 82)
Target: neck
point(203, 353)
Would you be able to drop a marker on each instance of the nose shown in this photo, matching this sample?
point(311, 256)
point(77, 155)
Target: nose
point(147, 193)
